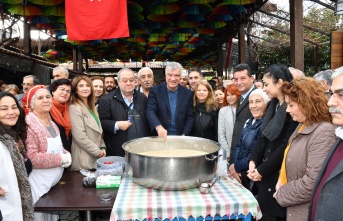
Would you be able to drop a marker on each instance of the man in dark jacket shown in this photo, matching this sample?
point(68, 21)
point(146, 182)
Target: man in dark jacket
point(170, 106)
point(327, 196)
point(122, 114)
point(244, 81)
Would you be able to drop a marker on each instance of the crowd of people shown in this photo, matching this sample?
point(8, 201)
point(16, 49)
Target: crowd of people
point(280, 136)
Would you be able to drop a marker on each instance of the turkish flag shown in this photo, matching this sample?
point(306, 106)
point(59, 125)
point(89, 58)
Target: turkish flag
point(96, 19)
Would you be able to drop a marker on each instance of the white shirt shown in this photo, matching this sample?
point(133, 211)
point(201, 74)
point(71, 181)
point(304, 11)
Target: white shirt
point(10, 205)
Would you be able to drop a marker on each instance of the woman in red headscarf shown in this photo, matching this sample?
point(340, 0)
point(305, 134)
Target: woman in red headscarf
point(44, 146)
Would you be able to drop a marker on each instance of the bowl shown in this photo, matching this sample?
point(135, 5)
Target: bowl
point(109, 160)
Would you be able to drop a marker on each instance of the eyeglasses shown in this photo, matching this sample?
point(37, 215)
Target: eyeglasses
point(27, 84)
point(65, 90)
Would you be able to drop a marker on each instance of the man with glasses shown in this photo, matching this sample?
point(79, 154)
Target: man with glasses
point(170, 106)
point(122, 114)
point(28, 82)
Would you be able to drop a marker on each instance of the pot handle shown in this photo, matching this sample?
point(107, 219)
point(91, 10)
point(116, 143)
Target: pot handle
point(213, 157)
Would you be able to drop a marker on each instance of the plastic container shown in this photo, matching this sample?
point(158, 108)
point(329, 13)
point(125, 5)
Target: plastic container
point(101, 162)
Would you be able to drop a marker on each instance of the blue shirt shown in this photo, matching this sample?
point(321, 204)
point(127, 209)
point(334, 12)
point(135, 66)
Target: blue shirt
point(129, 105)
point(172, 95)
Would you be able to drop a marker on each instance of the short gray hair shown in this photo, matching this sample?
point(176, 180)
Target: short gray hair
point(262, 94)
point(124, 70)
point(61, 68)
point(337, 72)
point(35, 80)
point(145, 68)
point(184, 73)
point(174, 66)
point(300, 73)
point(324, 75)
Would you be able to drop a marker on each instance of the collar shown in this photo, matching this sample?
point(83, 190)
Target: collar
point(339, 132)
point(248, 92)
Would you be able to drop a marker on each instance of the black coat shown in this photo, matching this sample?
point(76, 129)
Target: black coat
point(112, 108)
point(268, 156)
point(206, 123)
point(242, 115)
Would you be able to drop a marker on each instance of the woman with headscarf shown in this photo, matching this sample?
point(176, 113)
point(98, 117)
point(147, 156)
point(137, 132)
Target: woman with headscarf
point(61, 90)
point(15, 192)
point(44, 146)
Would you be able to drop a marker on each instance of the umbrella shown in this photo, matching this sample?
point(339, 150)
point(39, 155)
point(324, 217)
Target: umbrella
point(25, 10)
point(54, 11)
point(134, 8)
point(218, 17)
point(13, 2)
point(239, 2)
point(224, 9)
point(195, 8)
point(188, 24)
point(164, 8)
point(52, 52)
point(217, 24)
point(207, 31)
point(160, 18)
point(38, 19)
point(185, 30)
point(136, 17)
point(46, 2)
point(192, 17)
point(201, 1)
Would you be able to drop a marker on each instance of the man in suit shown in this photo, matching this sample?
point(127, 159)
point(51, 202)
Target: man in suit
point(327, 196)
point(244, 81)
point(170, 105)
point(122, 114)
point(29, 81)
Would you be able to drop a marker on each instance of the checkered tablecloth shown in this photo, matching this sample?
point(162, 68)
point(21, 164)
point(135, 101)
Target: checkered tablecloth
point(228, 197)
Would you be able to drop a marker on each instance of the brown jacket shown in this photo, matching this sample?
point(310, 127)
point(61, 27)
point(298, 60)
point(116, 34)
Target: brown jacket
point(304, 160)
point(87, 138)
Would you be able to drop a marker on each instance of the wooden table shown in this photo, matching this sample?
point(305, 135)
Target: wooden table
point(70, 195)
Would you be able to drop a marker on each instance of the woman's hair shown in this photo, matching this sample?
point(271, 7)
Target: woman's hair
point(232, 89)
point(75, 99)
point(19, 130)
point(12, 87)
point(278, 71)
point(262, 94)
point(210, 102)
point(101, 79)
point(310, 96)
point(55, 84)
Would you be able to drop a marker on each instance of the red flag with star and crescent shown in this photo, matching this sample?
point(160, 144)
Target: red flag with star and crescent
point(96, 19)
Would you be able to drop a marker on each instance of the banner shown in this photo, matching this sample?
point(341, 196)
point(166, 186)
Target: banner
point(96, 19)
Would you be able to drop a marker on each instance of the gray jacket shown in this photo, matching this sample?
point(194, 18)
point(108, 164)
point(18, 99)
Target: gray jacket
point(226, 121)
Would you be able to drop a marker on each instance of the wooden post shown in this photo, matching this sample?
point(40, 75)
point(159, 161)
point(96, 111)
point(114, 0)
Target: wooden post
point(27, 38)
point(241, 44)
point(74, 59)
point(79, 60)
point(297, 34)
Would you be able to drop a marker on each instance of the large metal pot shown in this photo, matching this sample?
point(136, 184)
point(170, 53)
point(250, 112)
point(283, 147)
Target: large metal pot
point(171, 173)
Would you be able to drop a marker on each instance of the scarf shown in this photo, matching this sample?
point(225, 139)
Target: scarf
point(23, 180)
point(59, 112)
point(274, 120)
point(283, 172)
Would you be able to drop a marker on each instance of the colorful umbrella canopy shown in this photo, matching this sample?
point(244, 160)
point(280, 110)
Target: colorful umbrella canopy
point(192, 17)
point(197, 8)
point(46, 2)
point(12, 1)
point(54, 11)
point(164, 8)
point(133, 8)
point(38, 19)
point(25, 10)
point(239, 2)
point(217, 17)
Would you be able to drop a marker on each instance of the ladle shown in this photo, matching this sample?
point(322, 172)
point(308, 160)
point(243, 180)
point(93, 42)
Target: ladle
point(207, 187)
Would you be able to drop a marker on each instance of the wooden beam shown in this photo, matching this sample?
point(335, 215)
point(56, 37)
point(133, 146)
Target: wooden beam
point(278, 30)
point(297, 34)
point(79, 61)
point(285, 19)
point(74, 59)
point(241, 43)
point(27, 39)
